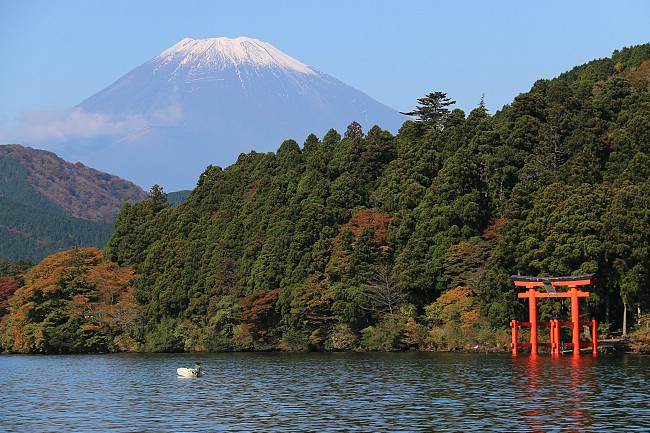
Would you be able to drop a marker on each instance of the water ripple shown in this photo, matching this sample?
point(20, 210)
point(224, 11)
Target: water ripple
point(276, 392)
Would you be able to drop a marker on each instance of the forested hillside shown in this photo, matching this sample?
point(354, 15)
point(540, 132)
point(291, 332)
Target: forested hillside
point(49, 205)
point(369, 241)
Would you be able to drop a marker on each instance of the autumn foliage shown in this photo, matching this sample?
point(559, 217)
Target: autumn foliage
point(72, 303)
point(8, 286)
point(367, 219)
point(454, 306)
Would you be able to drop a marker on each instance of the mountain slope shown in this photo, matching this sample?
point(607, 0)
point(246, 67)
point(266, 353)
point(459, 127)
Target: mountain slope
point(203, 102)
point(393, 243)
point(47, 204)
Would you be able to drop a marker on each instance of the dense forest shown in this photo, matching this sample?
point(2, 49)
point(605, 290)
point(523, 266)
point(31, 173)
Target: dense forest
point(370, 241)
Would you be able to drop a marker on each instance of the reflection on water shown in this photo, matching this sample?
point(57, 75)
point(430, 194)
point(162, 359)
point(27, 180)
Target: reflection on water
point(324, 392)
point(560, 388)
point(580, 394)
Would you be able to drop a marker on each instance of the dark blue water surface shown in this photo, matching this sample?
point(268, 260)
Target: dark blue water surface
point(333, 392)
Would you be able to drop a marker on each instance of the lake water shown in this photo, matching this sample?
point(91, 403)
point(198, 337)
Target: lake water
point(331, 392)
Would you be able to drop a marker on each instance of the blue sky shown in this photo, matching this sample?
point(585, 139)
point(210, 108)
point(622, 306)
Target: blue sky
point(57, 53)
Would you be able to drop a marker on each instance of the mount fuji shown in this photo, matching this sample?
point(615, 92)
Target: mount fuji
point(204, 102)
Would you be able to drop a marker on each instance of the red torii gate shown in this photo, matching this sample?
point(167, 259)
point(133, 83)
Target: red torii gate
point(550, 284)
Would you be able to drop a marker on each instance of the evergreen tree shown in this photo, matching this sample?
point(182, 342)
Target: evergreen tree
point(432, 111)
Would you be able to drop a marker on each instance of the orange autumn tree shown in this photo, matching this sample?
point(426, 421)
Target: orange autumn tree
point(453, 319)
point(457, 305)
point(72, 303)
point(114, 308)
point(8, 286)
point(259, 316)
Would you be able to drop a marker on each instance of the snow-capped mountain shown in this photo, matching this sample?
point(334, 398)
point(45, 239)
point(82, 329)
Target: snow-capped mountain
point(203, 102)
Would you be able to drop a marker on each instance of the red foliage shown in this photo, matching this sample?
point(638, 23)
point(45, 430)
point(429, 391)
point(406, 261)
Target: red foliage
point(257, 306)
point(378, 222)
point(492, 231)
point(8, 287)
point(252, 190)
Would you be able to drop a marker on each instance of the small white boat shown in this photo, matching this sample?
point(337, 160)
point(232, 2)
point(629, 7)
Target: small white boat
point(190, 372)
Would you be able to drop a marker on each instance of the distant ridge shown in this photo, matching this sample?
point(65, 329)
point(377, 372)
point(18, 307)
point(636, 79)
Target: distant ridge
point(48, 204)
point(203, 102)
point(82, 191)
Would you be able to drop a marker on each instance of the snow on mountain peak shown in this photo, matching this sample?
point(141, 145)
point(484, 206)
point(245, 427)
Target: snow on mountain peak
point(224, 52)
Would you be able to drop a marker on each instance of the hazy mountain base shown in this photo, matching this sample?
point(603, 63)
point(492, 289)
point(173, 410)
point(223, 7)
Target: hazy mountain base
point(379, 242)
